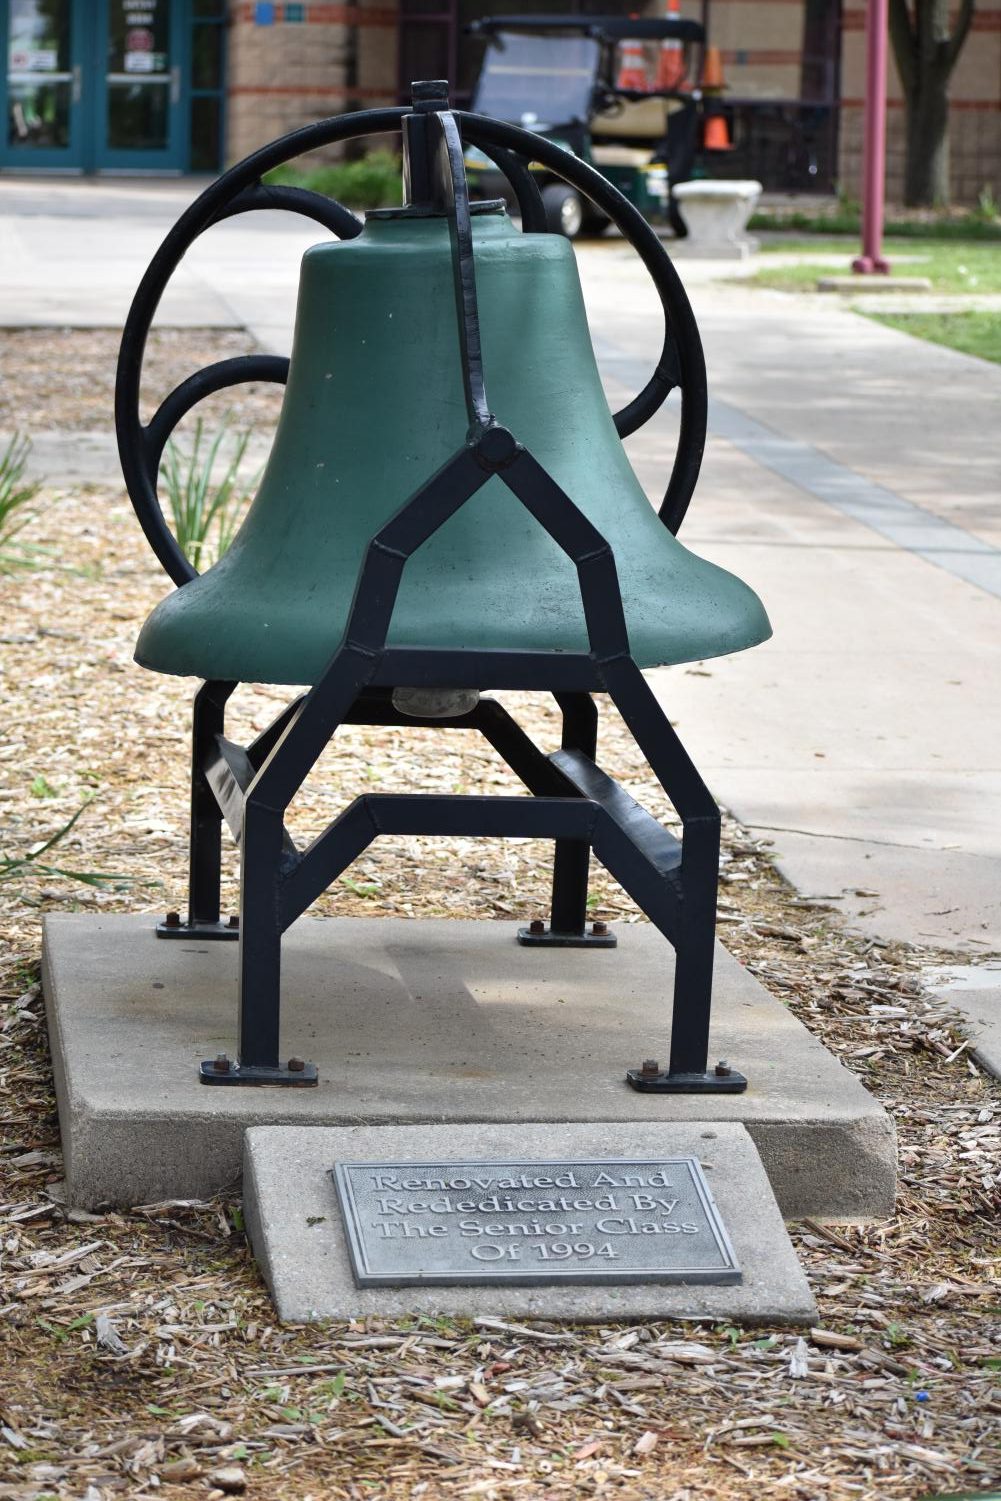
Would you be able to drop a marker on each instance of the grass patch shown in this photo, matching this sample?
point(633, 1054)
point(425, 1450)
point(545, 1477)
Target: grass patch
point(373, 181)
point(976, 333)
point(951, 266)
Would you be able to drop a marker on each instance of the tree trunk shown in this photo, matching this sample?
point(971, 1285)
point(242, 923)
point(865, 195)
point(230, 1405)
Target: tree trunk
point(926, 168)
point(926, 50)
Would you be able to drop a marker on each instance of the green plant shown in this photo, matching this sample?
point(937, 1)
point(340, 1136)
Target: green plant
point(371, 181)
point(12, 865)
point(843, 217)
point(360, 888)
point(15, 495)
point(988, 209)
point(206, 508)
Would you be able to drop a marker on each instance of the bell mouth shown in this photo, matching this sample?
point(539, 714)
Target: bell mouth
point(433, 211)
point(435, 703)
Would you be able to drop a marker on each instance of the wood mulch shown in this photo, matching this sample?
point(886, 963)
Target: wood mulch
point(63, 379)
point(139, 1350)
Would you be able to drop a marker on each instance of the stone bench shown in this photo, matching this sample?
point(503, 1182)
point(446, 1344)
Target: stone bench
point(716, 214)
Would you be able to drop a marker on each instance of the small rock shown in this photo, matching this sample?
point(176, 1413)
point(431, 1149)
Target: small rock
point(180, 1470)
point(229, 1479)
point(936, 1294)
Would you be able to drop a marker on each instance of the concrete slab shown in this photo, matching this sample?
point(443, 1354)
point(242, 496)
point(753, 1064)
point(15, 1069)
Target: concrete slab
point(91, 458)
point(864, 742)
point(898, 892)
point(75, 260)
point(873, 286)
point(412, 1022)
point(295, 1226)
point(680, 250)
point(975, 991)
point(864, 737)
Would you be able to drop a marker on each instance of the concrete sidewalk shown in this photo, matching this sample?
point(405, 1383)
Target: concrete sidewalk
point(853, 477)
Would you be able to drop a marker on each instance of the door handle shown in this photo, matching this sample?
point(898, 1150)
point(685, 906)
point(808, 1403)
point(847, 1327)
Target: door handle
point(76, 85)
point(175, 85)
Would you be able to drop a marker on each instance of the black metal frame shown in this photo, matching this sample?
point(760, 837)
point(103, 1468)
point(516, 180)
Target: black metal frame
point(574, 803)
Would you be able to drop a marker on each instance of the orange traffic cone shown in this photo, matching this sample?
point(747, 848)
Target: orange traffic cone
point(715, 134)
point(632, 67)
point(712, 70)
point(671, 63)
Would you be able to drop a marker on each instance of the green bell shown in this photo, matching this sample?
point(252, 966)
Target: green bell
point(373, 407)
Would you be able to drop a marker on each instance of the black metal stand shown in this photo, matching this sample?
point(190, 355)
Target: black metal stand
point(568, 926)
point(205, 840)
point(574, 802)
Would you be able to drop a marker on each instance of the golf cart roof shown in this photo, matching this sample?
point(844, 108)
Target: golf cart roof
point(602, 28)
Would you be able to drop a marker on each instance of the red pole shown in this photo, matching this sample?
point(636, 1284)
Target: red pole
point(874, 138)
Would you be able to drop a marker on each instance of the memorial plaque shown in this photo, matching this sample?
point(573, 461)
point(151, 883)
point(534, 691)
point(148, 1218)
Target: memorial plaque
point(486, 1223)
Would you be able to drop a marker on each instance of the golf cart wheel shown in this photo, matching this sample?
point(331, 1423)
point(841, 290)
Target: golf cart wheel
point(564, 210)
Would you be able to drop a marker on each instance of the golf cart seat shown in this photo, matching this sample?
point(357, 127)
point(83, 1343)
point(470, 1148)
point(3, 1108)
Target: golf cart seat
point(636, 119)
point(612, 155)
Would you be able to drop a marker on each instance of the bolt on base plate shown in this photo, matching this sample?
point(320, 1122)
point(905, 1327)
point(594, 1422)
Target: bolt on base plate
point(298, 1075)
point(227, 929)
point(538, 935)
point(650, 1081)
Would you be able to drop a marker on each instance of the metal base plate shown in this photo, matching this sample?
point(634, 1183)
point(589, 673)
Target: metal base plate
point(551, 940)
point(707, 1083)
point(301, 1078)
point(210, 930)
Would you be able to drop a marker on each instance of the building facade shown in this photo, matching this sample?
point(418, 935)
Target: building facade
point(189, 85)
point(113, 85)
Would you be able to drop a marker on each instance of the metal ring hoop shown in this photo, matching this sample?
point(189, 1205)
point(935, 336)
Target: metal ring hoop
point(240, 190)
point(140, 447)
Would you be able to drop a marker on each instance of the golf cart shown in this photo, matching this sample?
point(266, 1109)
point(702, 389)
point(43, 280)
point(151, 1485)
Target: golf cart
point(620, 92)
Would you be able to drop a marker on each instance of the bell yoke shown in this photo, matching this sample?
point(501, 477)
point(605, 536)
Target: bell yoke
point(527, 556)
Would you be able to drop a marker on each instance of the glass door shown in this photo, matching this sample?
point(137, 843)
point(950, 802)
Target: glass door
point(140, 122)
point(42, 84)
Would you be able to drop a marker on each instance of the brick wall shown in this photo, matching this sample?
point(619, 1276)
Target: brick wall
point(761, 45)
point(316, 59)
point(292, 64)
